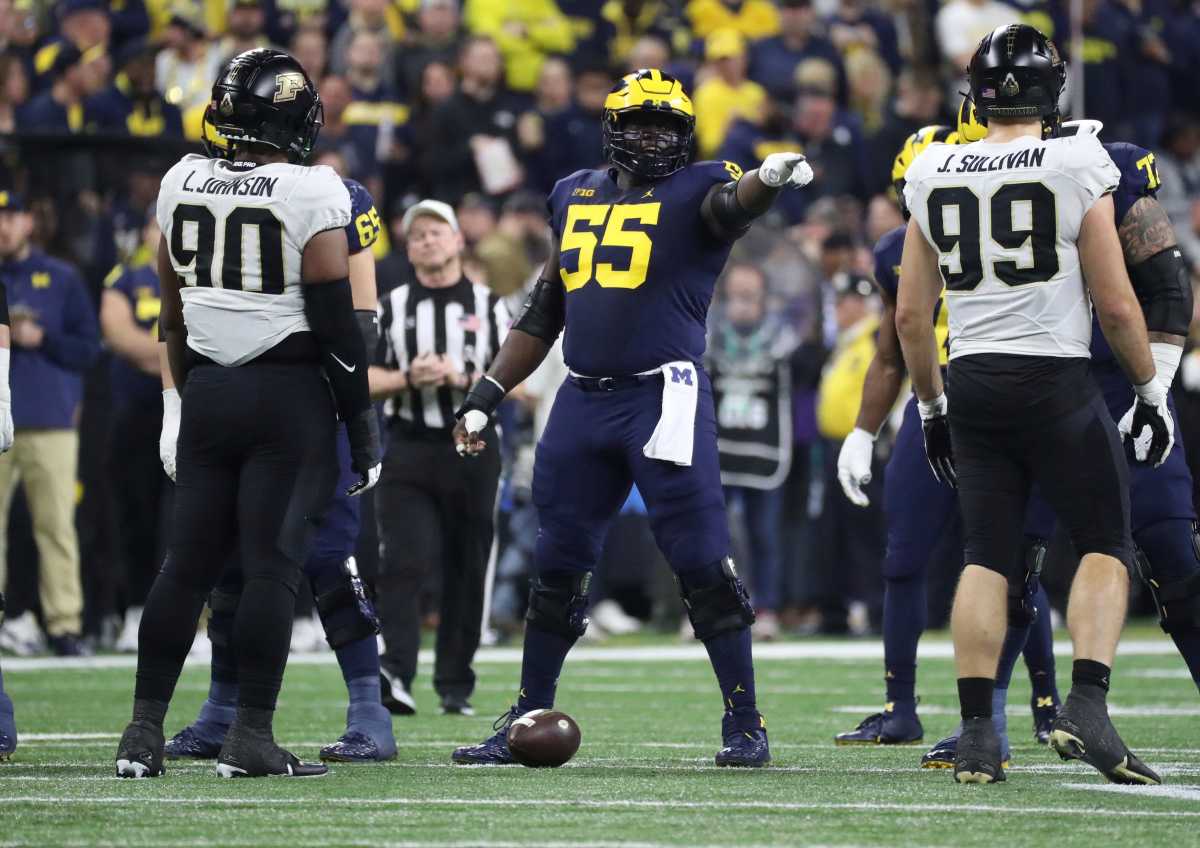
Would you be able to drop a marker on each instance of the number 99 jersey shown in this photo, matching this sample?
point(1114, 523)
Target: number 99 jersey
point(1004, 220)
point(639, 267)
point(236, 233)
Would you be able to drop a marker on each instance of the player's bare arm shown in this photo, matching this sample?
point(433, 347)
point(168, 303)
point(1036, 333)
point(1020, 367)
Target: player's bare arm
point(541, 320)
point(170, 320)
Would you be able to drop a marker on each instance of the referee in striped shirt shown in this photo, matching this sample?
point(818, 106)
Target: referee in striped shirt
point(437, 335)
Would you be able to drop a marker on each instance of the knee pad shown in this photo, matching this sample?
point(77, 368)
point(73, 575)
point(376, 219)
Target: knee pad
point(558, 603)
point(1177, 600)
point(346, 612)
point(719, 604)
point(1021, 611)
point(224, 606)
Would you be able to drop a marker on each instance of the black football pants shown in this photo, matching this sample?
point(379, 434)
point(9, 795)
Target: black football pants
point(256, 466)
point(435, 512)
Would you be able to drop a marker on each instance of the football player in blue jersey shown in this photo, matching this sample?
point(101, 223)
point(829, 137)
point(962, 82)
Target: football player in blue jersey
point(639, 246)
point(1162, 513)
point(345, 610)
point(921, 513)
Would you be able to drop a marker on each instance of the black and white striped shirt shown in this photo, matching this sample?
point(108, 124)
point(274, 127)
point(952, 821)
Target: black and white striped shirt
point(466, 321)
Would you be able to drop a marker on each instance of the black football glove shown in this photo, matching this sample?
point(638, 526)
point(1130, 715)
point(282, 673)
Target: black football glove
point(366, 450)
point(938, 451)
point(1148, 425)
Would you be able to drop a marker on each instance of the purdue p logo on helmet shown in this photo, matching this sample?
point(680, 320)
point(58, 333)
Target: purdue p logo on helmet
point(288, 85)
point(648, 124)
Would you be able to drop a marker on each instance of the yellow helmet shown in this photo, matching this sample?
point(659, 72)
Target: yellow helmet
point(970, 128)
point(913, 146)
point(661, 107)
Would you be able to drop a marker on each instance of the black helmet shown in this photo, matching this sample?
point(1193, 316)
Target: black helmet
point(263, 96)
point(648, 92)
point(1016, 72)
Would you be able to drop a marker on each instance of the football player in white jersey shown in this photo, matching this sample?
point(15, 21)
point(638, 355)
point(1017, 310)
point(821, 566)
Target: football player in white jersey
point(259, 325)
point(1019, 229)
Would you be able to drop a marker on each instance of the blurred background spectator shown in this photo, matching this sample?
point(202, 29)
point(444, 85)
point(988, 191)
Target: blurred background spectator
point(485, 105)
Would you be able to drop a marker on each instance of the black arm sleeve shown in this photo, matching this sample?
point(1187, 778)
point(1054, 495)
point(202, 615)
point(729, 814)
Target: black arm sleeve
point(368, 325)
point(3, 310)
point(1164, 290)
point(725, 213)
point(545, 311)
point(330, 313)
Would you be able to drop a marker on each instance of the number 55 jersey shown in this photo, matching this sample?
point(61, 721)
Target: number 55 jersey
point(236, 233)
point(639, 266)
point(1004, 219)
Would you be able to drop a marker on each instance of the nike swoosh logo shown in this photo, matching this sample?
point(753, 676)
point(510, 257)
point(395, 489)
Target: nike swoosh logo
point(349, 368)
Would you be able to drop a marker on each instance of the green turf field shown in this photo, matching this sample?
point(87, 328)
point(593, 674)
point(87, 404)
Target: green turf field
point(643, 775)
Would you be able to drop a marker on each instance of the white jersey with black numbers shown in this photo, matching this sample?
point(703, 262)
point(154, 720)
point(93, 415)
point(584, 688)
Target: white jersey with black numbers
point(1004, 220)
point(236, 234)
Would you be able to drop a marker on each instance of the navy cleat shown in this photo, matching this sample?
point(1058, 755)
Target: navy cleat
point(8, 744)
point(744, 747)
point(886, 728)
point(1083, 731)
point(977, 757)
point(252, 752)
point(355, 746)
point(191, 744)
point(941, 755)
point(1045, 710)
point(8, 726)
point(492, 751)
point(140, 751)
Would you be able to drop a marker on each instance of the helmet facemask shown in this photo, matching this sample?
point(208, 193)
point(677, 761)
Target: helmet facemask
point(649, 144)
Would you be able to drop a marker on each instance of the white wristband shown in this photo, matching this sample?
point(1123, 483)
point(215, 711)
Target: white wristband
point(1166, 361)
point(865, 434)
point(1151, 392)
point(932, 408)
point(172, 403)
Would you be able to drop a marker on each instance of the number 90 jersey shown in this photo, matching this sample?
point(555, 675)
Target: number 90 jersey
point(236, 233)
point(639, 267)
point(1004, 220)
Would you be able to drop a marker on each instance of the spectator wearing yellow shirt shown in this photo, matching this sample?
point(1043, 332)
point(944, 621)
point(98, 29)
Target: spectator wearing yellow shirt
point(526, 31)
point(726, 94)
point(754, 19)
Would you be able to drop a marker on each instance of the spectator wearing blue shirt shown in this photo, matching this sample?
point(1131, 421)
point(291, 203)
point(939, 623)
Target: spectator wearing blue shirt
point(555, 138)
point(132, 104)
point(773, 61)
point(54, 340)
point(77, 75)
point(854, 26)
point(129, 307)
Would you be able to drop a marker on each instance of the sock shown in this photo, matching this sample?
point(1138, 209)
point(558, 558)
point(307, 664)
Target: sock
point(541, 664)
point(364, 690)
point(262, 633)
point(367, 715)
point(1039, 651)
point(216, 714)
point(975, 696)
point(732, 660)
point(149, 711)
point(1090, 673)
point(1014, 642)
point(165, 637)
point(359, 660)
point(1000, 717)
point(8, 725)
point(903, 622)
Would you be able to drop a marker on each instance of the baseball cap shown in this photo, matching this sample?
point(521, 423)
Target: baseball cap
point(435, 208)
point(66, 8)
point(10, 201)
point(724, 44)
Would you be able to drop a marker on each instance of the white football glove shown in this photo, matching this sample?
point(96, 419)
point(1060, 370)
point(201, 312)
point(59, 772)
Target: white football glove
point(1149, 424)
point(172, 405)
point(785, 169)
point(6, 421)
point(854, 465)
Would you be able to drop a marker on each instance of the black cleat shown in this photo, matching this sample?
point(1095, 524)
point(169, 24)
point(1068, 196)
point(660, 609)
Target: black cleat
point(977, 754)
point(1045, 709)
point(457, 705)
point(1083, 731)
point(252, 752)
point(140, 751)
point(395, 695)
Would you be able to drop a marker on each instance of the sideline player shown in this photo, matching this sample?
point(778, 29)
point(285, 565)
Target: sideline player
point(346, 613)
point(640, 246)
point(1010, 223)
point(258, 333)
point(922, 514)
point(1163, 519)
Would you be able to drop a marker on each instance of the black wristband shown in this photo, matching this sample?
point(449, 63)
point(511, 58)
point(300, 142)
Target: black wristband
point(484, 396)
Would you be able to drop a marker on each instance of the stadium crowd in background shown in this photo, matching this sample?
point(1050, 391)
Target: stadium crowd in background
point(483, 105)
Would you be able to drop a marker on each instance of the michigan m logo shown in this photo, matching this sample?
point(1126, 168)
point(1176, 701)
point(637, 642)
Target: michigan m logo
point(288, 85)
point(681, 375)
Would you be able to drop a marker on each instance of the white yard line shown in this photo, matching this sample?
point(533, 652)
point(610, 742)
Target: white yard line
point(807, 650)
point(1179, 793)
point(1150, 711)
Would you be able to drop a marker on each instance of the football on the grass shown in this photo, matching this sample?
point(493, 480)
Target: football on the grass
point(543, 738)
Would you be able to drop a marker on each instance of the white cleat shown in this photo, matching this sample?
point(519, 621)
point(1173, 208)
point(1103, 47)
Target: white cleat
point(226, 770)
point(132, 768)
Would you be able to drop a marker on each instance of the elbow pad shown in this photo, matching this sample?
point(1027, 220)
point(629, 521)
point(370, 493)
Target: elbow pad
point(1164, 289)
point(728, 212)
point(330, 313)
point(368, 325)
point(545, 312)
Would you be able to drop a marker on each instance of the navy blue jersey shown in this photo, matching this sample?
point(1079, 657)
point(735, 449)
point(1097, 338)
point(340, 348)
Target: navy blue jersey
point(139, 286)
point(1139, 178)
point(639, 267)
point(887, 254)
point(364, 227)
